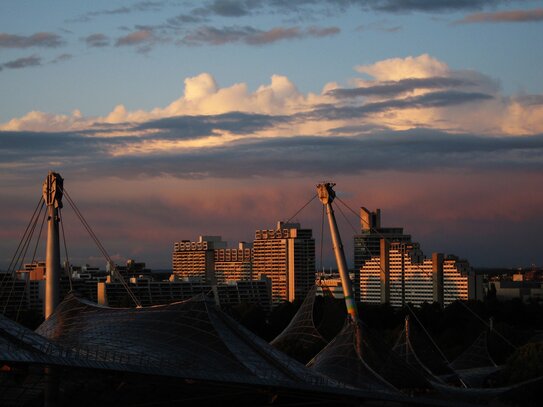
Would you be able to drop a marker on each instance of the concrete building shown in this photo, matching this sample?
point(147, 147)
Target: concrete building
point(234, 264)
point(367, 244)
point(401, 274)
point(285, 255)
point(331, 282)
point(150, 292)
point(525, 290)
point(196, 259)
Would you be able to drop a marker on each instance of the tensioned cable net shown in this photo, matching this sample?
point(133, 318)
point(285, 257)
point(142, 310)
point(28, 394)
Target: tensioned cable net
point(190, 339)
point(475, 364)
point(85, 352)
point(372, 367)
point(301, 338)
point(415, 349)
point(340, 361)
point(475, 356)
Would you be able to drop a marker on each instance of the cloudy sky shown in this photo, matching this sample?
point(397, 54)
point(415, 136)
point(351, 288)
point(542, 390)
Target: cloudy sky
point(172, 119)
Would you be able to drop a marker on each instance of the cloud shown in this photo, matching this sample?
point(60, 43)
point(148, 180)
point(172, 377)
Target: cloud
point(530, 100)
point(393, 69)
point(144, 39)
point(24, 62)
point(512, 16)
point(401, 6)
point(243, 8)
point(252, 36)
point(61, 58)
point(187, 127)
point(230, 8)
point(393, 88)
point(41, 39)
point(266, 148)
point(273, 35)
point(438, 99)
point(383, 26)
point(304, 156)
point(135, 38)
point(323, 31)
point(400, 94)
point(142, 6)
point(40, 121)
point(97, 40)
point(184, 19)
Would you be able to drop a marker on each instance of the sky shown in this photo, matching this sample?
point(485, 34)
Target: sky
point(173, 119)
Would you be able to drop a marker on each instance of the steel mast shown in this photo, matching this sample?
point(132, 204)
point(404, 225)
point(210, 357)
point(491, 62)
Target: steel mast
point(52, 195)
point(327, 195)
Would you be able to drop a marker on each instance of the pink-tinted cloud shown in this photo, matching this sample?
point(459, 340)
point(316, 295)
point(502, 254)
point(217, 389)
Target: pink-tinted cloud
point(513, 16)
point(135, 38)
point(273, 35)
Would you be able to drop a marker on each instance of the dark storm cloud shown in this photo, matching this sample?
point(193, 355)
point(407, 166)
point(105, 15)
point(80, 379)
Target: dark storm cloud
point(41, 39)
point(392, 88)
point(97, 40)
point(512, 16)
point(24, 62)
point(252, 36)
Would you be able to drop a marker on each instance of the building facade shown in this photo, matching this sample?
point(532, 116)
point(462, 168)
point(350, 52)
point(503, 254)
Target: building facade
point(285, 255)
point(367, 244)
point(234, 264)
point(149, 292)
point(196, 260)
point(401, 274)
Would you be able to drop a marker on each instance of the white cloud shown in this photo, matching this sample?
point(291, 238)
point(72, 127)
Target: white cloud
point(493, 114)
point(394, 69)
point(40, 121)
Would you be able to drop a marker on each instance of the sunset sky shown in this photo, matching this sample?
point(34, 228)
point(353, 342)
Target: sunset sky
point(173, 119)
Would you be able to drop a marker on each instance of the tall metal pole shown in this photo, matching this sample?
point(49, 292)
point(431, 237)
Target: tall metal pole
point(327, 195)
point(52, 195)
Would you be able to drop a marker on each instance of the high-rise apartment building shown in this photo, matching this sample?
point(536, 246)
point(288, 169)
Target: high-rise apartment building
point(285, 255)
point(196, 260)
point(367, 243)
point(234, 264)
point(400, 274)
